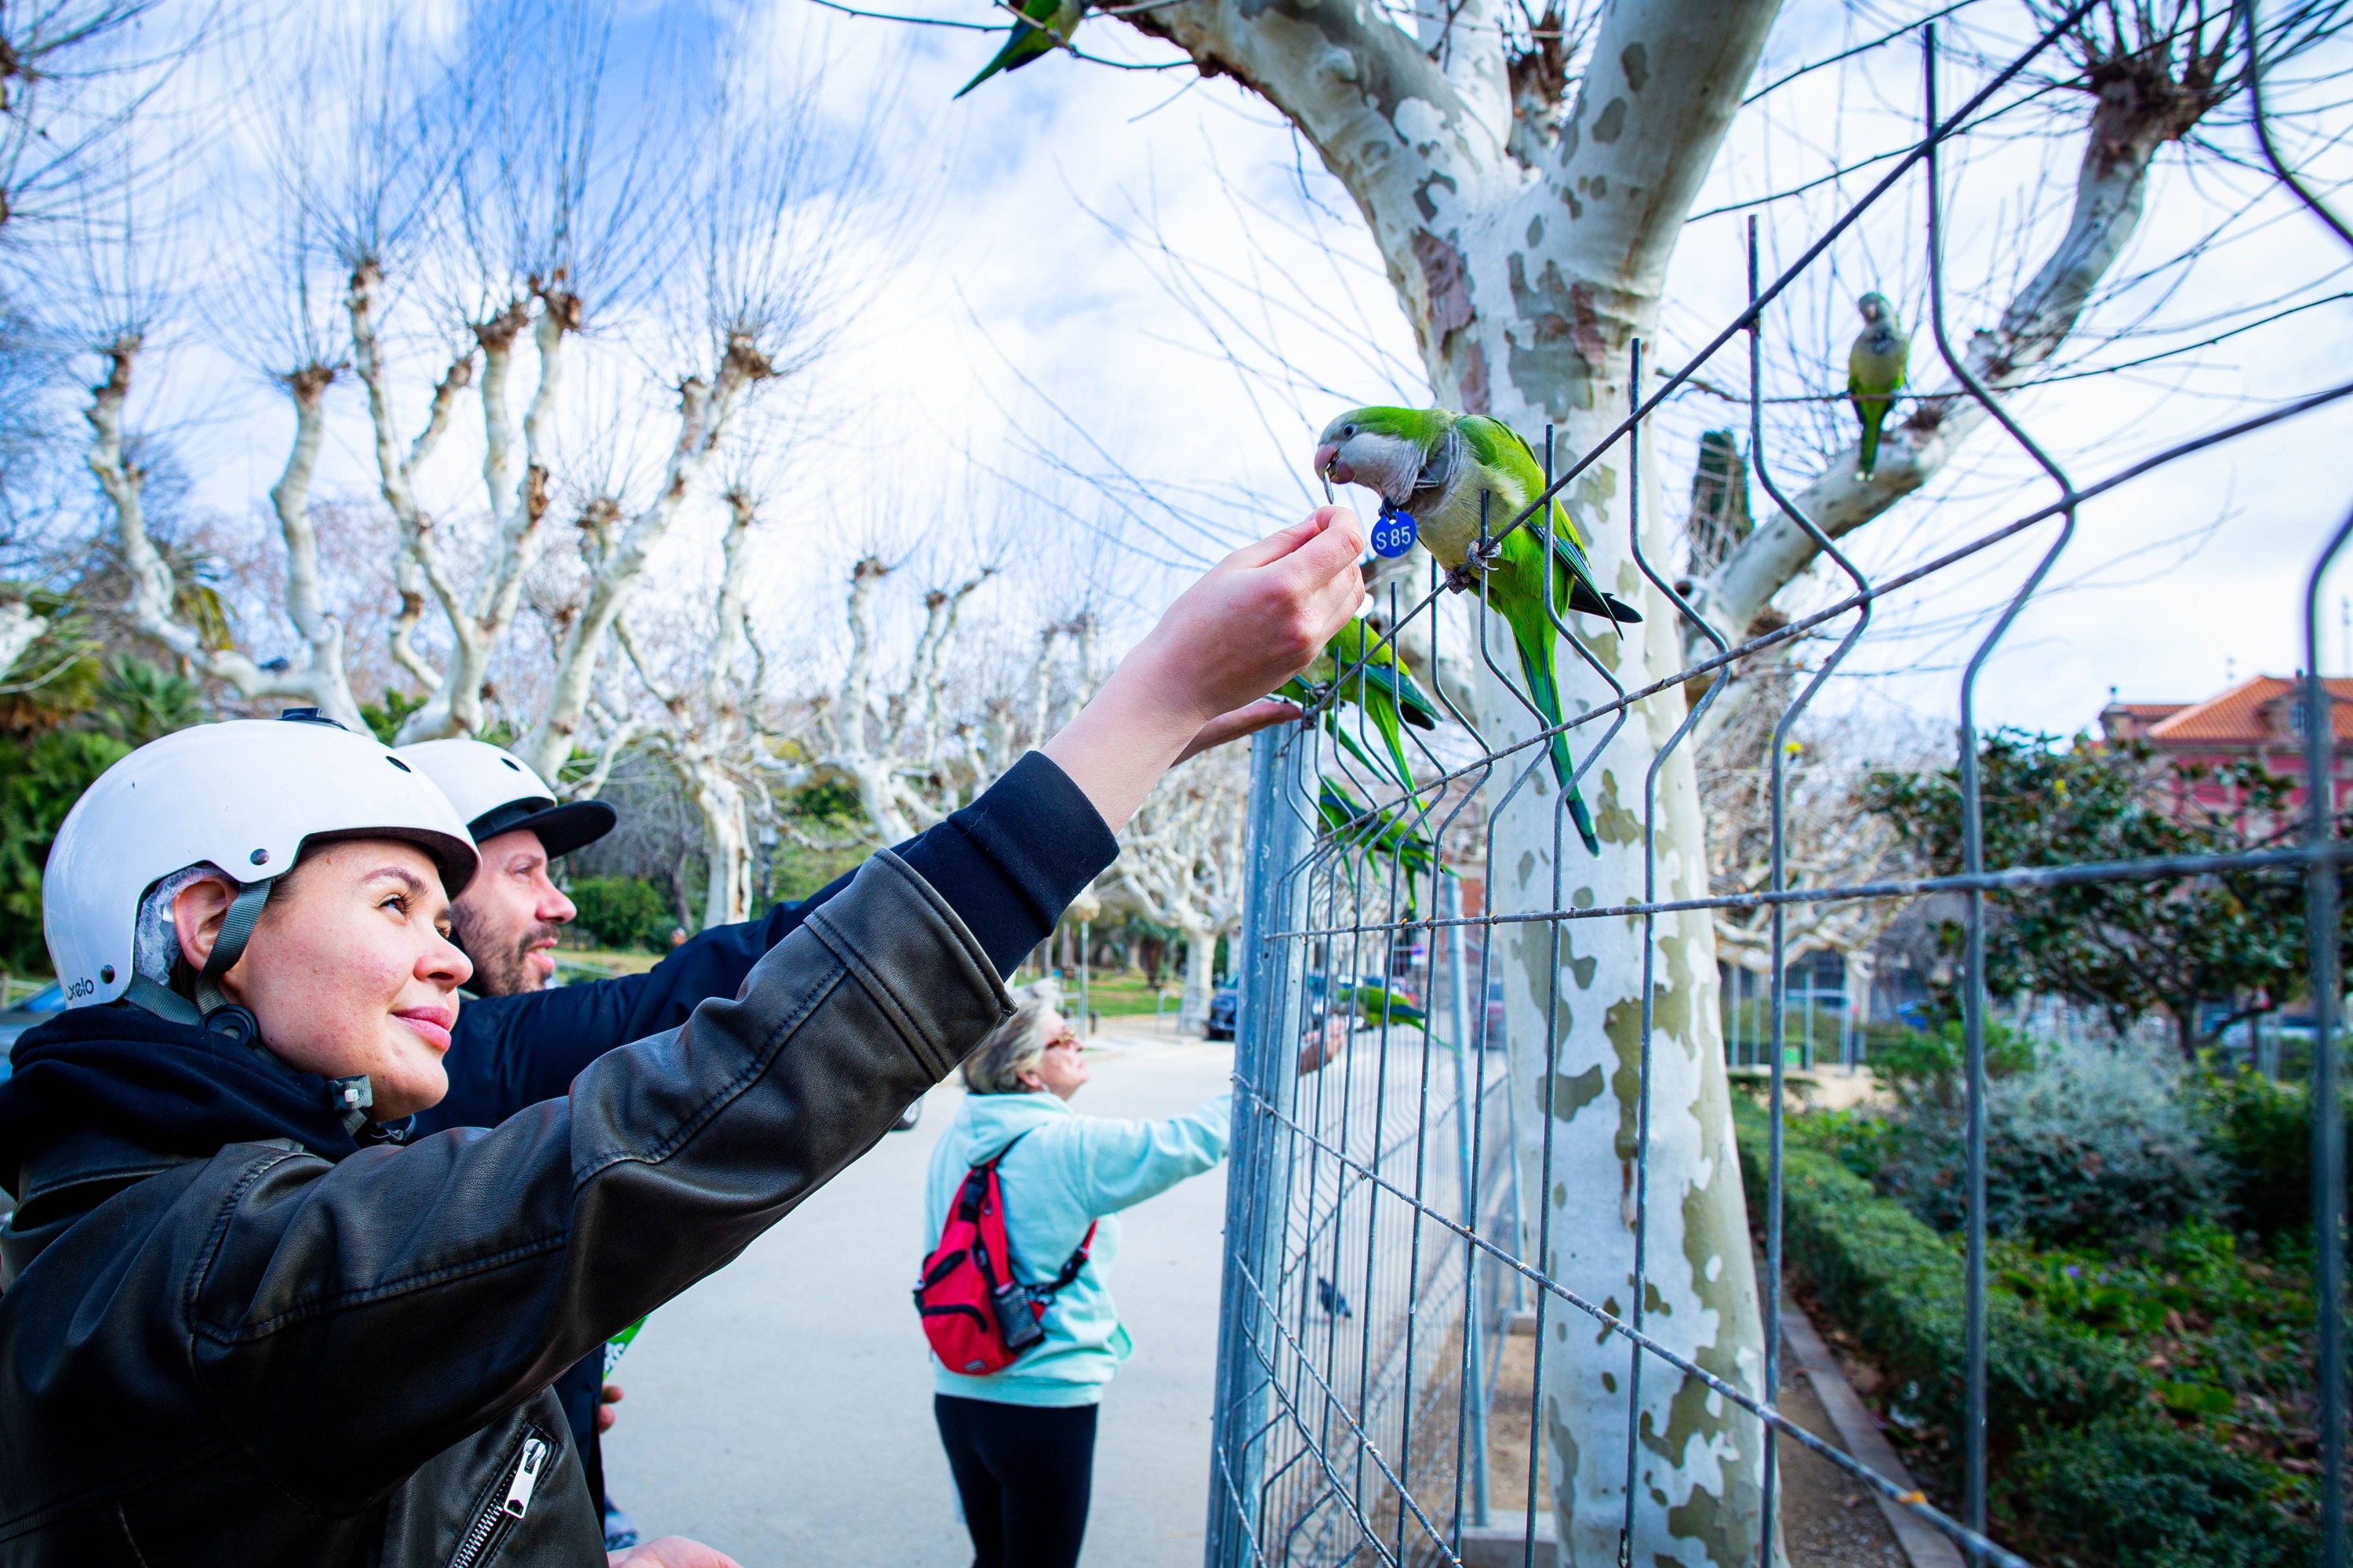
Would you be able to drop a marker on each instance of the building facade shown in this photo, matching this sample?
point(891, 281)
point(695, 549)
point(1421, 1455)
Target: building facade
point(2259, 720)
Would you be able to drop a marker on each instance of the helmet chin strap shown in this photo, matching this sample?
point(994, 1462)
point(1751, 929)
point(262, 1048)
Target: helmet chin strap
point(235, 931)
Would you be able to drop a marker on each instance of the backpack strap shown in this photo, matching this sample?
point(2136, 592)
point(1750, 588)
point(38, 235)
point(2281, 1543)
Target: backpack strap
point(1075, 1262)
point(976, 1179)
point(1006, 1149)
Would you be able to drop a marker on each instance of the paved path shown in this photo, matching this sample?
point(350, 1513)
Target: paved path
point(781, 1410)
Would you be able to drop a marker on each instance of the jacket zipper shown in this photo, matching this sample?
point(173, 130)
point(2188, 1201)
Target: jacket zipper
point(495, 1518)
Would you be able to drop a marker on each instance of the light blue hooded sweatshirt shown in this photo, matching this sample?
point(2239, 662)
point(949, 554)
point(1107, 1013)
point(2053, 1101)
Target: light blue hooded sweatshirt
point(1068, 1172)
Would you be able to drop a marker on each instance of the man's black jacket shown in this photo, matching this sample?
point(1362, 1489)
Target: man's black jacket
point(509, 1051)
point(229, 1334)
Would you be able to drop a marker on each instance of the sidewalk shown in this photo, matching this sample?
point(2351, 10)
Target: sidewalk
point(781, 1410)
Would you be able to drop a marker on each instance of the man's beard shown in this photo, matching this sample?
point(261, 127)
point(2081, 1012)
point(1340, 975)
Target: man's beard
point(500, 971)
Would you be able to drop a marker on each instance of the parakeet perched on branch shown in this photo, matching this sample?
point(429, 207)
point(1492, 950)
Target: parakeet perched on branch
point(1434, 465)
point(1874, 372)
point(1045, 26)
point(1368, 675)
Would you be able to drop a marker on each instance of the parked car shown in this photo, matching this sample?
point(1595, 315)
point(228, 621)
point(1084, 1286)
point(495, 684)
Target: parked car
point(1222, 1005)
point(42, 1005)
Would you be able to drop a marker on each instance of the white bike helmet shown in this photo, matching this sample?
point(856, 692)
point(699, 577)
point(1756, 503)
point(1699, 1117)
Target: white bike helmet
point(497, 793)
point(243, 795)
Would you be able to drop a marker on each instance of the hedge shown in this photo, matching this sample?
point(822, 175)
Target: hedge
point(2138, 1493)
point(624, 911)
point(1896, 1285)
point(2092, 1469)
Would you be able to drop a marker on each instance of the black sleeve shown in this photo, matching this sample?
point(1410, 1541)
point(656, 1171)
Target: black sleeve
point(1011, 862)
point(1008, 864)
point(509, 1051)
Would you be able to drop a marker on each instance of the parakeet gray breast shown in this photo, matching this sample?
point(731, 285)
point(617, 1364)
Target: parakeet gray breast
point(1445, 505)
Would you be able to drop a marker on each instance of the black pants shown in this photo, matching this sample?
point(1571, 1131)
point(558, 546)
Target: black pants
point(1024, 1474)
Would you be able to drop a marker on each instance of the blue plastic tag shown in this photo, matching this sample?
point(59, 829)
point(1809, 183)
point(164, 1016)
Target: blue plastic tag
point(1393, 533)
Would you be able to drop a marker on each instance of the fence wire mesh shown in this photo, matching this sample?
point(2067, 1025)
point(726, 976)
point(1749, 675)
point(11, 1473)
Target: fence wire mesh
point(1385, 1230)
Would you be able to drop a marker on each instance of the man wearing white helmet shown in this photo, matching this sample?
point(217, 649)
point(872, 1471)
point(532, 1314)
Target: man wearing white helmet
point(245, 1319)
point(523, 1042)
point(511, 914)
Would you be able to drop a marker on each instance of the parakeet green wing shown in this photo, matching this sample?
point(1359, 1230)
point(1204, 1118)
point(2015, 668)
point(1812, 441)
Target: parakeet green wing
point(1046, 25)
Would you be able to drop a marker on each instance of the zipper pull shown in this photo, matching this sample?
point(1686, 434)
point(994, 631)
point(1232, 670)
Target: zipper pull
point(526, 1479)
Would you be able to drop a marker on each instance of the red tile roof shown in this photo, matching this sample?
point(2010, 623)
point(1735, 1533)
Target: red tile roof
point(2237, 716)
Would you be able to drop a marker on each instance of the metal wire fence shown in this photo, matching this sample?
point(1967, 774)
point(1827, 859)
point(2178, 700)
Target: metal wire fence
point(1379, 1247)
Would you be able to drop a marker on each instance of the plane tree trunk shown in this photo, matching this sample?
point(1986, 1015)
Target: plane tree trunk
point(1528, 245)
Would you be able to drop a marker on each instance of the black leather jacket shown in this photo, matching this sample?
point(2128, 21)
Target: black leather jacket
point(230, 1336)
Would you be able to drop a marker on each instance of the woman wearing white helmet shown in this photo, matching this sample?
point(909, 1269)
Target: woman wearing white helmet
point(243, 1322)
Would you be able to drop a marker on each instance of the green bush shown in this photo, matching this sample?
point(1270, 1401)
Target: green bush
point(624, 911)
point(2087, 1141)
point(2139, 1493)
point(1897, 1283)
point(2263, 1130)
point(1921, 1066)
point(41, 777)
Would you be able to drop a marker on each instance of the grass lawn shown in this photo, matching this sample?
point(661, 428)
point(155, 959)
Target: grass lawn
point(575, 965)
point(1114, 994)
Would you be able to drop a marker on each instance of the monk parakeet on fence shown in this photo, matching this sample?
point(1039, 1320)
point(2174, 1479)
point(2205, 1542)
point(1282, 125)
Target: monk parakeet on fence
point(1045, 26)
point(1874, 371)
point(1376, 1005)
point(1368, 675)
point(1434, 466)
point(1389, 833)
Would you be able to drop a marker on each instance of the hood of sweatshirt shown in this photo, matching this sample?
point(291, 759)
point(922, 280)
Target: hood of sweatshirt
point(117, 1089)
point(995, 1120)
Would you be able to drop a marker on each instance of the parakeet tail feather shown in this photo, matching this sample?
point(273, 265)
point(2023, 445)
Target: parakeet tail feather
point(1547, 697)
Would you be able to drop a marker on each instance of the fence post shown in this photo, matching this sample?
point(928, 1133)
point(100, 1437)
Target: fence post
point(1086, 1014)
point(1266, 1039)
point(1450, 907)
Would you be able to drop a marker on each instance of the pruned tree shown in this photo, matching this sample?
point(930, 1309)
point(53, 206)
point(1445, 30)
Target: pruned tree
point(704, 735)
point(158, 603)
point(916, 748)
point(1181, 862)
point(1829, 839)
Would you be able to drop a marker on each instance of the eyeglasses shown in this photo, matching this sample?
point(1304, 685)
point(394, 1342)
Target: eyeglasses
point(1067, 1040)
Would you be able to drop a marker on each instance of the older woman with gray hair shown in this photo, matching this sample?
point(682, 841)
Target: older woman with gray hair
point(1021, 1441)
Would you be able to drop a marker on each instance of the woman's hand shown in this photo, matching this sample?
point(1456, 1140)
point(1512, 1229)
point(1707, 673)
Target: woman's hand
point(670, 1552)
point(1259, 617)
point(1324, 1046)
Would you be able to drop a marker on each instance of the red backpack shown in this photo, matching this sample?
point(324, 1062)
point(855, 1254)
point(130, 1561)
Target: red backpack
point(979, 1318)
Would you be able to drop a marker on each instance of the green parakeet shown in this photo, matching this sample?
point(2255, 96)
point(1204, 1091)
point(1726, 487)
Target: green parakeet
point(1046, 25)
point(1434, 465)
point(1874, 372)
point(1378, 832)
point(1376, 1005)
point(1368, 675)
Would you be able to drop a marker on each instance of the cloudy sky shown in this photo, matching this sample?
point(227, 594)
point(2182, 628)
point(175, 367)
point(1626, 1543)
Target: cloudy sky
point(1100, 314)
